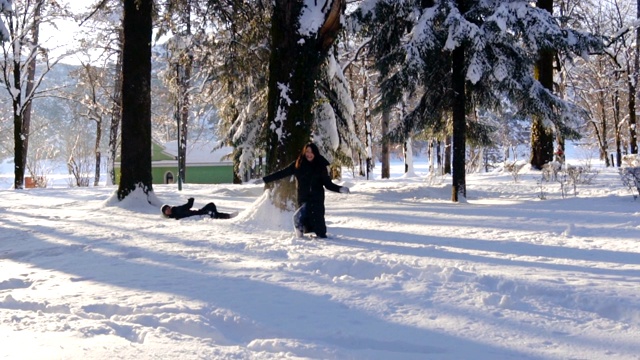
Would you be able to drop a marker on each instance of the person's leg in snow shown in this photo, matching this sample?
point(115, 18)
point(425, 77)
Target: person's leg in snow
point(209, 209)
point(299, 219)
point(315, 219)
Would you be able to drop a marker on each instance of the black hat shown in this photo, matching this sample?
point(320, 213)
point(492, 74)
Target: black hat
point(165, 206)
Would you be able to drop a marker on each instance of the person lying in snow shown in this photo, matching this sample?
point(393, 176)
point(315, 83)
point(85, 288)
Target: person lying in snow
point(183, 211)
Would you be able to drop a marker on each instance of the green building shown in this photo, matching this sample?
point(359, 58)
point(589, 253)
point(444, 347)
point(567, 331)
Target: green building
point(203, 165)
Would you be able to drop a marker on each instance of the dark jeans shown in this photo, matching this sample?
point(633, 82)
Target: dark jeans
point(300, 218)
point(310, 218)
point(211, 210)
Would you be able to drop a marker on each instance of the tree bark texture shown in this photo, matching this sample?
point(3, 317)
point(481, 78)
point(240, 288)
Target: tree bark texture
point(96, 149)
point(541, 136)
point(31, 74)
point(293, 69)
point(18, 149)
point(136, 98)
point(385, 156)
point(633, 91)
point(116, 112)
point(184, 69)
point(22, 103)
point(446, 168)
point(459, 188)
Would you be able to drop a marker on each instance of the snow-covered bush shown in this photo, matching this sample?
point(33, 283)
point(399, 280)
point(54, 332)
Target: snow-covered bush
point(631, 179)
point(39, 165)
point(514, 169)
point(567, 174)
point(584, 174)
point(580, 175)
point(631, 160)
point(550, 170)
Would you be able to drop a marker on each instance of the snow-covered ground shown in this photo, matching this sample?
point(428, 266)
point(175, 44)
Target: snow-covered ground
point(405, 274)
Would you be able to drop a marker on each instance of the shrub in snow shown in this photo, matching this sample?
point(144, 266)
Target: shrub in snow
point(631, 179)
point(514, 168)
point(566, 174)
point(631, 160)
point(550, 170)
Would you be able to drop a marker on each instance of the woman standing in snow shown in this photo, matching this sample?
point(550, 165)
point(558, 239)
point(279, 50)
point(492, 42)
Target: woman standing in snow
point(312, 176)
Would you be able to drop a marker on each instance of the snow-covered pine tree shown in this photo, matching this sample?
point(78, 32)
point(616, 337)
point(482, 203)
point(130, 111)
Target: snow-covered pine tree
point(416, 40)
point(333, 127)
point(233, 69)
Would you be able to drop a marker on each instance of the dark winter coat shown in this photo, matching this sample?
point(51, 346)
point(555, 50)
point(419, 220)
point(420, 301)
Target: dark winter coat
point(311, 178)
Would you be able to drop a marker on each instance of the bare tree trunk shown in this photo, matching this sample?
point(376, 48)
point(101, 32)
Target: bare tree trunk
point(116, 111)
point(96, 178)
point(541, 137)
point(601, 135)
point(459, 115)
point(26, 114)
point(633, 142)
point(617, 122)
point(136, 98)
point(367, 121)
point(458, 188)
point(18, 138)
point(21, 102)
point(439, 155)
point(31, 74)
point(447, 156)
point(386, 161)
point(184, 68)
point(407, 143)
point(362, 170)
point(183, 72)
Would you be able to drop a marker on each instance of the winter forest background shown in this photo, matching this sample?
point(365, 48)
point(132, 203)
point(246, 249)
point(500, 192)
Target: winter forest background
point(473, 84)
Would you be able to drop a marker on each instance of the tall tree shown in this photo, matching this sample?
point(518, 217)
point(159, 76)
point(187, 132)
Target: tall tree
point(30, 85)
point(178, 19)
point(101, 41)
point(633, 88)
point(96, 106)
point(22, 51)
point(229, 71)
point(417, 43)
point(614, 76)
point(385, 146)
point(116, 111)
point(136, 99)
point(298, 51)
point(459, 114)
point(541, 135)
